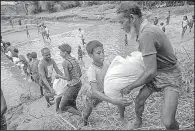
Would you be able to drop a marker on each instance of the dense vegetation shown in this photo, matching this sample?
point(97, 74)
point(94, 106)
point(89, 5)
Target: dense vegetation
point(34, 7)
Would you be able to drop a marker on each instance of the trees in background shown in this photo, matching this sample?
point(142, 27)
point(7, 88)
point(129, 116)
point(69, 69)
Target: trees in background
point(34, 7)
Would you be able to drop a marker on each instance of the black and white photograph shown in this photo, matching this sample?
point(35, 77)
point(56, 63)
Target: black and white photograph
point(97, 65)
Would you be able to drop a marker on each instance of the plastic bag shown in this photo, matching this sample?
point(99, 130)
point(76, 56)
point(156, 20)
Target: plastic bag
point(122, 72)
point(59, 85)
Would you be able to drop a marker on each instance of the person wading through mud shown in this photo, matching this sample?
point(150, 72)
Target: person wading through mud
point(162, 72)
point(45, 69)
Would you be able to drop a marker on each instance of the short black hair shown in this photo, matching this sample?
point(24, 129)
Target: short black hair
point(34, 55)
point(129, 7)
point(65, 48)
point(92, 45)
point(42, 50)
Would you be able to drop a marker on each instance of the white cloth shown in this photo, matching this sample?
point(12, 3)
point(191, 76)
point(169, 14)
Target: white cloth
point(9, 54)
point(59, 85)
point(122, 72)
point(15, 60)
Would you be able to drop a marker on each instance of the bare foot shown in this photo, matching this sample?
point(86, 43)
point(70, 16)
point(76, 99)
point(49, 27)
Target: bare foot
point(82, 125)
point(136, 124)
point(58, 111)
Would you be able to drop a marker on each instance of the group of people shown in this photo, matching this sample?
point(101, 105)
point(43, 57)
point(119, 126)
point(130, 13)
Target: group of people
point(162, 72)
point(186, 23)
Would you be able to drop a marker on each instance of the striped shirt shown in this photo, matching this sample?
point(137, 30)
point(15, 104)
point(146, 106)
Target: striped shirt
point(74, 71)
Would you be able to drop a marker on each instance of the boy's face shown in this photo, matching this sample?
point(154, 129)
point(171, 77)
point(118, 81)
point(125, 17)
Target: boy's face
point(98, 55)
point(62, 54)
point(184, 18)
point(29, 57)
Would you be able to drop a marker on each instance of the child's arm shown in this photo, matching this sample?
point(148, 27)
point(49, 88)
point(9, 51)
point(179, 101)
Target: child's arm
point(103, 97)
point(56, 68)
point(96, 93)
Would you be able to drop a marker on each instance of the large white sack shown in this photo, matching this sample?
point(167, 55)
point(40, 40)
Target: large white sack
point(122, 72)
point(59, 85)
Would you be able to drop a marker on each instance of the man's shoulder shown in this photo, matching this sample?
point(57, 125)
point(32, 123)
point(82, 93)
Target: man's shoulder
point(149, 30)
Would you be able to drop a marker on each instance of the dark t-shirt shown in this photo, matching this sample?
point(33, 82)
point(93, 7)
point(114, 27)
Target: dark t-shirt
point(152, 40)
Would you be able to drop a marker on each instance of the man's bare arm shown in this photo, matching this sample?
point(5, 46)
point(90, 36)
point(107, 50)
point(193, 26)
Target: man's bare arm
point(148, 74)
point(56, 68)
point(43, 77)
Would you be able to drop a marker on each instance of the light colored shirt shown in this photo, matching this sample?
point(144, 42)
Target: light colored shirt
point(97, 74)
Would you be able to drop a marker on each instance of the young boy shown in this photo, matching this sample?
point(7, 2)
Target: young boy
point(29, 57)
point(163, 27)
point(24, 61)
point(155, 21)
point(15, 58)
point(184, 25)
point(96, 73)
point(191, 23)
point(47, 33)
point(11, 22)
point(34, 70)
point(168, 17)
point(80, 53)
point(72, 73)
point(27, 32)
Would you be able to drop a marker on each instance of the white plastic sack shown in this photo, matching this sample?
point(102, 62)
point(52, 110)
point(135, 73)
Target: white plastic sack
point(9, 54)
point(122, 72)
point(59, 85)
